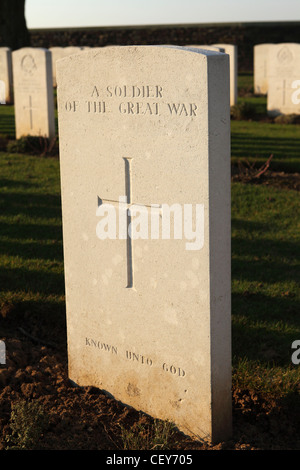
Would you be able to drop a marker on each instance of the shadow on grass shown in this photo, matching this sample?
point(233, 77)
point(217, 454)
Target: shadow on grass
point(30, 280)
point(285, 150)
point(271, 260)
point(33, 250)
point(20, 204)
point(24, 238)
point(263, 267)
point(46, 206)
point(264, 328)
point(41, 322)
point(7, 121)
point(31, 244)
point(265, 311)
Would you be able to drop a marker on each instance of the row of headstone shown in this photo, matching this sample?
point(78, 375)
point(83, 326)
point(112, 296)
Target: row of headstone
point(6, 68)
point(6, 85)
point(277, 75)
point(147, 267)
point(26, 79)
point(61, 52)
point(27, 71)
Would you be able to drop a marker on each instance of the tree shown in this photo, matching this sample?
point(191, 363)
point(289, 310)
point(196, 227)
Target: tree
point(13, 29)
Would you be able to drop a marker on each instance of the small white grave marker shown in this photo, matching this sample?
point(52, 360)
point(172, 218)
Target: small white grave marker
point(33, 93)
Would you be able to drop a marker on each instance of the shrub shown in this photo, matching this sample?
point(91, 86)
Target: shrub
point(287, 119)
point(34, 146)
point(243, 111)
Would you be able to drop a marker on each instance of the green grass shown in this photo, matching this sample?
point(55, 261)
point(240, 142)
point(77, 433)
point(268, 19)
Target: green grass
point(265, 247)
point(7, 121)
point(265, 283)
point(255, 141)
point(252, 141)
point(265, 264)
point(245, 82)
point(27, 423)
point(156, 437)
point(31, 265)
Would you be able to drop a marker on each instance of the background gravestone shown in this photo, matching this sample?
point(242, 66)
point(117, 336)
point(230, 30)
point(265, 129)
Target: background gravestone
point(56, 54)
point(284, 79)
point(6, 74)
point(232, 51)
point(261, 68)
point(33, 93)
point(59, 53)
point(148, 318)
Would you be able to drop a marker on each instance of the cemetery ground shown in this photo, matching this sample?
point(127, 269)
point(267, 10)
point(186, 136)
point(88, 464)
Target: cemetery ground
point(41, 409)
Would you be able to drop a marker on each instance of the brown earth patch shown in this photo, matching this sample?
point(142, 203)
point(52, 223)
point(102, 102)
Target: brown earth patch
point(89, 419)
point(247, 173)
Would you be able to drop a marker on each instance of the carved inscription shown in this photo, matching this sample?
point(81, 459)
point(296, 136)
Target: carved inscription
point(28, 64)
point(285, 56)
point(102, 346)
point(131, 100)
point(134, 357)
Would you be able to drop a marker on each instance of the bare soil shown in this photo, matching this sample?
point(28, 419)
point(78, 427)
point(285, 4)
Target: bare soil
point(88, 418)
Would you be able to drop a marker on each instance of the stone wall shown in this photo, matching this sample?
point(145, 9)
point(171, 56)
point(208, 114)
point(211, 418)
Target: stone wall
point(244, 35)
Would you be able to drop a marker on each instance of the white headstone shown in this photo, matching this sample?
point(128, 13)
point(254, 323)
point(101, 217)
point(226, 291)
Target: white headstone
point(6, 96)
point(261, 68)
point(56, 54)
point(284, 79)
point(33, 93)
point(2, 92)
point(232, 51)
point(60, 52)
point(145, 172)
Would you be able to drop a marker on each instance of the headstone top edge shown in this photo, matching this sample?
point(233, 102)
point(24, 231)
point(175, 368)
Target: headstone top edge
point(96, 51)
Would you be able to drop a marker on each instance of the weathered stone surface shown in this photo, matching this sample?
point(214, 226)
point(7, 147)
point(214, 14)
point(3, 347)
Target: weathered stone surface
point(284, 79)
point(148, 315)
point(261, 68)
point(232, 51)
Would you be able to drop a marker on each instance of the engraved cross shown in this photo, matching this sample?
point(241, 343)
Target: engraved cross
point(127, 205)
point(30, 108)
point(284, 90)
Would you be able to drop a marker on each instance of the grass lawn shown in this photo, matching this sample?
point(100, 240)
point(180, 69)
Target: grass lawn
point(265, 249)
point(31, 263)
point(7, 121)
point(255, 141)
point(265, 285)
point(265, 264)
point(251, 141)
